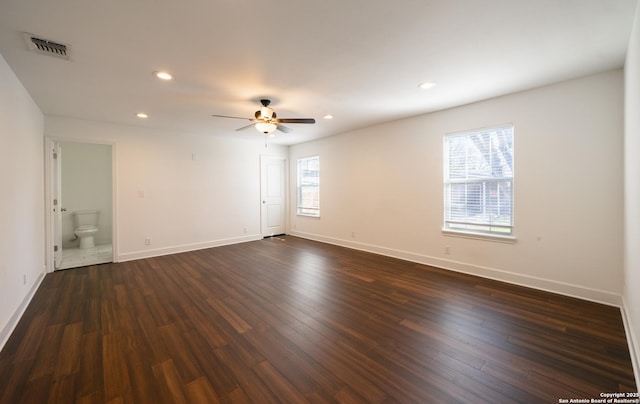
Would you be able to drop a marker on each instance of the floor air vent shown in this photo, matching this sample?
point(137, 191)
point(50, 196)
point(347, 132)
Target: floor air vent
point(46, 47)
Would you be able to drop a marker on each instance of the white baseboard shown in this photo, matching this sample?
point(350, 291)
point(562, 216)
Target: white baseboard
point(567, 289)
point(633, 341)
point(185, 248)
point(7, 330)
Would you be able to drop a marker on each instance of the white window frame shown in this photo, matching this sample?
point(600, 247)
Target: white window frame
point(307, 206)
point(493, 221)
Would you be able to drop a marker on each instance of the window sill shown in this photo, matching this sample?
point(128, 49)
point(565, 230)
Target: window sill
point(480, 236)
point(305, 215)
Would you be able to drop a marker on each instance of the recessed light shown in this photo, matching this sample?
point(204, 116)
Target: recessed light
point(142, 115)
point(328, 116)
point(427, 85)
point(162, 75)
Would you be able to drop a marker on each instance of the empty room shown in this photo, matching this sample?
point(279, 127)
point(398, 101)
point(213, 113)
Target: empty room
point(426, 201)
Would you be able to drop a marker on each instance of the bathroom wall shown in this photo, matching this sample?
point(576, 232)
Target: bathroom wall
point(86, 185)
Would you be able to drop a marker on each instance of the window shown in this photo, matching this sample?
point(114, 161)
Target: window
point(478, 181)
point(309, 186)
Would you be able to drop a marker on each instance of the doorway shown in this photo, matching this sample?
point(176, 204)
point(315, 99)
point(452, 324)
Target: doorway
point(81, 176)
point(273, 194)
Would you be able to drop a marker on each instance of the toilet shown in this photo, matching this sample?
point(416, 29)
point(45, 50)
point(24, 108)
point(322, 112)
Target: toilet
point(86, 226)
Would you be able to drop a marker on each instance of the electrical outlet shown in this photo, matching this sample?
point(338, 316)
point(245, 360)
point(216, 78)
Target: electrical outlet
point(244, 230)
point(147, 241)
point(24, 279)
point(447, 250)
point(353, 234)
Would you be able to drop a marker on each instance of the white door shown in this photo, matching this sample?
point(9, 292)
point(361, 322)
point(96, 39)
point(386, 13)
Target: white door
point(273, 193)
point(57, 203)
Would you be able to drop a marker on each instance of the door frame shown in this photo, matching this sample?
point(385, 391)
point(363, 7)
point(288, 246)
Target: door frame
point(285, 176)
point(50, 182)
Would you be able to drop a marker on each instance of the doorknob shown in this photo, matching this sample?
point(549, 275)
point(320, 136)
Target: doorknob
point(264, 201)
point(63, 209)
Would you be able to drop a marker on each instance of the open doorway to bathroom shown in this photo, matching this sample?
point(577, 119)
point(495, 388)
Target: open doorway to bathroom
point(82, 219)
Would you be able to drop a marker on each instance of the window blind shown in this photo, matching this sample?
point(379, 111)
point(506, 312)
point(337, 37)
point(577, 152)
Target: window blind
point(478, 181)
point(309, 186)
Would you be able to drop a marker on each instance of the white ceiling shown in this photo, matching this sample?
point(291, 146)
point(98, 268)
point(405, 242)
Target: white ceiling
point(360, 60)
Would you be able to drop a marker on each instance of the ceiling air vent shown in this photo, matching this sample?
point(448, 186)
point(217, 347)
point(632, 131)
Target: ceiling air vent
point(47, 47)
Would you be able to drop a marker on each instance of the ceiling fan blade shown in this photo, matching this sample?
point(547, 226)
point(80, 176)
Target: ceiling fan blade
point(296, 120)
point(234, 117)
point(284, 129)
point(245, 127)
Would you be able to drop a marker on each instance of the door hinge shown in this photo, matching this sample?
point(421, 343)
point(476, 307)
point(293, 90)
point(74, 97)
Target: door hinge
point(55, 202)
point(55, 248)
point(55, 155)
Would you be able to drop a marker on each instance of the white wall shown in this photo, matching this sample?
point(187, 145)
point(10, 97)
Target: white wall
point(632, 192)
point(22, 258)
point(182, 191)
point(384, 185)
point(86, 185)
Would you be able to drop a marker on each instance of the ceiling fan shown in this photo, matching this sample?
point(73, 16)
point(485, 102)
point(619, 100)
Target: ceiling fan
point(266, 121)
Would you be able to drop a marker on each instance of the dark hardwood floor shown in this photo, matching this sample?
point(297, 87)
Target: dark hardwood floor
point(291, 320)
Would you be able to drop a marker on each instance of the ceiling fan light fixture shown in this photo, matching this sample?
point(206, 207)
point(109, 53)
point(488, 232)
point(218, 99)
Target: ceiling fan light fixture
point(266, 113)
point(266, 127)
